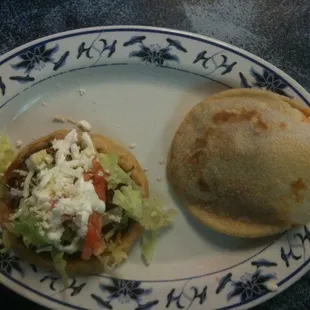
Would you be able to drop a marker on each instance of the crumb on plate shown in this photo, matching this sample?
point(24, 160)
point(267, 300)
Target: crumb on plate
point(19, 143)
point(82, 92)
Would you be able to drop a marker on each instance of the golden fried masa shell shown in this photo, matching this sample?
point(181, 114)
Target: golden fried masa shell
point(240, 162)
point(74, 264)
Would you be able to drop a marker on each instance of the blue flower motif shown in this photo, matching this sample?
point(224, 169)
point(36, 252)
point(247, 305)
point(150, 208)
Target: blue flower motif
point(154, 53)
point(267, 80)
point(35, 58)
point(250, 286)
point(8, 262)
point(124, 291)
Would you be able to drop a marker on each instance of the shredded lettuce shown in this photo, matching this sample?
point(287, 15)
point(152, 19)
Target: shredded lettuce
point(60, 265)
point(148, 212)
point(7, 153)
point(113, 256)
point(117, 175)
point(26, 224)
point(147, 246)
point(27, 227)
point(40, 158)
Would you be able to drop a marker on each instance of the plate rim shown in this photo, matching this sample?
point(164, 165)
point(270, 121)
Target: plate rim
point(299, 89)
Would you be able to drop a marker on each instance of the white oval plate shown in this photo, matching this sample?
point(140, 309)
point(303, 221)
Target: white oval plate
point(135, 84)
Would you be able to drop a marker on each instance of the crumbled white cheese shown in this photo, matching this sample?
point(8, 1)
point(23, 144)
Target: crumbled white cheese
point(19, 143)
point(84, 126)
point(64, 119)
point(114, 218)
point(132, 146)
point(21, 172)
point(89, 150)
point(61, 190)
point(27, 183)
point(60, 119)
point(82, 92)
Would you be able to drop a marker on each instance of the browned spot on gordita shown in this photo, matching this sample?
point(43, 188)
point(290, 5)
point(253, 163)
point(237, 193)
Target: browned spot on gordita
point(234, 117)
point(237, 117)
point(305, 111)
point(203, 186)
point(297, 187)
point(260, 124)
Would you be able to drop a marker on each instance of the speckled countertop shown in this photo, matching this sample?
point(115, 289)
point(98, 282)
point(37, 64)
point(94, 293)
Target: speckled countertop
point(278, 31)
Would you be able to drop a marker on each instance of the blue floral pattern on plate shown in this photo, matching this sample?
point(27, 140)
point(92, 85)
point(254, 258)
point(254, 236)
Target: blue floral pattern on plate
point(2, 87)
point(212, 64)
point(186, 299)
point(235, 286)
point(125, 291)
point(154, 53)
point(99, 50)
point(266, 80)
point(250, 286)
point(10, 263)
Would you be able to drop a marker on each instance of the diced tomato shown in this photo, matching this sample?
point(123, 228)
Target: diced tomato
point(93, 243)
point(98, 178)
point(96, 165)
point(93, 236)
point(94, 228)
point(100, 184)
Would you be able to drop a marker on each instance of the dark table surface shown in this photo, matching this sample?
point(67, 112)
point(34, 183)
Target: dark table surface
point(278, 31)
